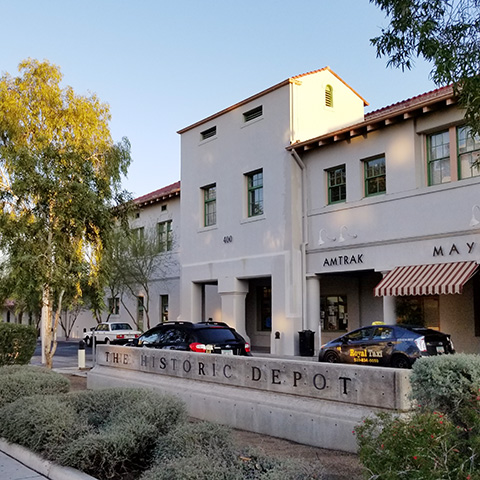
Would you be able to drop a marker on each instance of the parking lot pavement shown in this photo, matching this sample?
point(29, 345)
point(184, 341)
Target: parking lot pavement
point(11, 469)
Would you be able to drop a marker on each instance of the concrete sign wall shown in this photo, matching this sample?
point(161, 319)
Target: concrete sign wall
point(308, 402)
point(368, 386)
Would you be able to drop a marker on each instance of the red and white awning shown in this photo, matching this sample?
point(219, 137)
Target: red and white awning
point(437, 279)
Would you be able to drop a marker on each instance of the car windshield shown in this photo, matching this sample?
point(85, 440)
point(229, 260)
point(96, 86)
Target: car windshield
point(121, 326)
point(215, 335)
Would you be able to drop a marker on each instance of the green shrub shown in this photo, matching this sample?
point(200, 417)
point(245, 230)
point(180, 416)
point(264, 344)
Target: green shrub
point(18, 381)
point(124, 424)
point(445, 382)
point(17, 343)
point(440, 439)
point(206, 450)
point(42, 423)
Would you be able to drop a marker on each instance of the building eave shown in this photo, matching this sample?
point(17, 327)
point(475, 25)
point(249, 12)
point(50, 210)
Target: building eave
point(384, 117)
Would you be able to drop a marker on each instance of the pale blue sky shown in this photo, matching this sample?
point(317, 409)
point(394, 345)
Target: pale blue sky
point(163, 65)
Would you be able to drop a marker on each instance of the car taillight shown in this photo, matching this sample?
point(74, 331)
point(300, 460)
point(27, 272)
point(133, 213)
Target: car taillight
point(198, 347)
point(247, 347)
point(137, 335)
point(120, 336)
point(420, 343)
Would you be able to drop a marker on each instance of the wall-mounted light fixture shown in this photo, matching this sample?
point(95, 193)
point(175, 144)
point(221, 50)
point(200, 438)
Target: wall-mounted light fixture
point(322, 236)
point(474, 221)
point(344, 233)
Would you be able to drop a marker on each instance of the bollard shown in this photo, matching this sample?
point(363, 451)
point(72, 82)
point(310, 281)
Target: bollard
point(81, 355)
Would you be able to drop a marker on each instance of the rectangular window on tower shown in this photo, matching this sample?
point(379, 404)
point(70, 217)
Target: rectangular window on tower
point(255, 193)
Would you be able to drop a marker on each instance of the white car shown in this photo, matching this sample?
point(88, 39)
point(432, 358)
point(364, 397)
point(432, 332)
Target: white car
point(117, 333)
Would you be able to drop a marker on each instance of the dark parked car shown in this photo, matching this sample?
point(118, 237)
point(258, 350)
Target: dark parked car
point(203, 337)
point(388, 345)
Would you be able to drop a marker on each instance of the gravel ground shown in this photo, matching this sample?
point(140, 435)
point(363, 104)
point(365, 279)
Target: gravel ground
point(338, 465)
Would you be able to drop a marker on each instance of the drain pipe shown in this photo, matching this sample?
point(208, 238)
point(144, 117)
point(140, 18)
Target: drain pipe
point(304, 243)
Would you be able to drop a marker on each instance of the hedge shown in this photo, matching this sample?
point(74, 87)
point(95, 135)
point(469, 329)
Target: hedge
point(17, 343)
point(18, 381)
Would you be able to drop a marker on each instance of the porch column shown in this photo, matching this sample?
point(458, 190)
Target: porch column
point(312, 320)
point(389, 316)
point(233, 293)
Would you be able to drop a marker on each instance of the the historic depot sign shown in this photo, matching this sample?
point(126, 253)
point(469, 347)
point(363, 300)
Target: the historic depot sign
point(360, 385)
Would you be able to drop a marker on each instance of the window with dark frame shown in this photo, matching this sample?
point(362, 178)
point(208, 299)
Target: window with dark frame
point(114, 306)
point(375, 176)
point(438, 158)
point(468, 153)
point(164, 308)
point(337, 184)
point(255, 193)
point(334, 313)
point(209, 133)
point(210, 205)
point(164, 236)
point(253, 113)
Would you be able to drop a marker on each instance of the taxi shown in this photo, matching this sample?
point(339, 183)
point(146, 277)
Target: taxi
point(386, 345)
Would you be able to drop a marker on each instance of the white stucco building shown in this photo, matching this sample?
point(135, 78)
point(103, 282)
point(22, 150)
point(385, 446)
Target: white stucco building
point(300, 212)
point(295, 205)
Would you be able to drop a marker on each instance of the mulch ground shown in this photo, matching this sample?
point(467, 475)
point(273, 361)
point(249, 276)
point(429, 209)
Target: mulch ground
point(337, 465)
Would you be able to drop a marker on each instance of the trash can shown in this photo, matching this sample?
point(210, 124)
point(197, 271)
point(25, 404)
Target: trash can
point(306, 343)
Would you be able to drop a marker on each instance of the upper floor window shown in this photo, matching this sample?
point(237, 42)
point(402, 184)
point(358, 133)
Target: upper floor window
point(468, 153)
point(438, 157)
point(337, 184)
point(114, 306)
point(253, 113)
point(255, 193)
point(329, 96)
point(209, 133)
point(210, 205)
point(164, 235)
point(375, 176)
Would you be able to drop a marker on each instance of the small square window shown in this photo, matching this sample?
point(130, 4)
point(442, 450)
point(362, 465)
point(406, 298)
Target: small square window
point(337, 184)
point(254, 113)
point(209, 133)
point(375, 176)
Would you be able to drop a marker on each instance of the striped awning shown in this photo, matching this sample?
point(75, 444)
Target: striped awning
point(438, 279)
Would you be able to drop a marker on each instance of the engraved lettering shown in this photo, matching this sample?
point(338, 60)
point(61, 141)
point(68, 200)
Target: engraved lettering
point(275, 379)
point(225, 371)
point(296, 377)
point(163, 363)
point(470, 246)
point(454, 249)
point(319, 381)
point(187, 366)
point(437, 251)
point(345, 379)
point(256, 374)
point(201, 368)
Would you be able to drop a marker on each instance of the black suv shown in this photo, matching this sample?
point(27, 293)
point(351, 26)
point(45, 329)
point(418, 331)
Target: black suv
point(388, 345)
point(203, 337)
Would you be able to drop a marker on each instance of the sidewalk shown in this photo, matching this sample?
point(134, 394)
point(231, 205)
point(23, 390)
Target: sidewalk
point(18, 463)
point(11, 469)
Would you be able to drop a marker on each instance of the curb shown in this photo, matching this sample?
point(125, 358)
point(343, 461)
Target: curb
point(44, 467)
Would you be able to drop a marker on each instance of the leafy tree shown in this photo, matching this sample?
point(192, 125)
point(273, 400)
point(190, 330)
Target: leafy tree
point(136, 261)
point(443, 32)
point(60, 177)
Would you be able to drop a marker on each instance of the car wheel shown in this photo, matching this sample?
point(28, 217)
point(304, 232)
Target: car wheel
point(331, 357)
point(88, 342)
point(400, 361)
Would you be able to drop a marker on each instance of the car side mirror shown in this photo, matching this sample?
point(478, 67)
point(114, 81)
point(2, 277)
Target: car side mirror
point(345, 340)
point(135, 342)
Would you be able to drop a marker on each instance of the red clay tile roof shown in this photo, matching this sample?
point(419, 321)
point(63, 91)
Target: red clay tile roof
point(164, 193)
point(414, 106)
